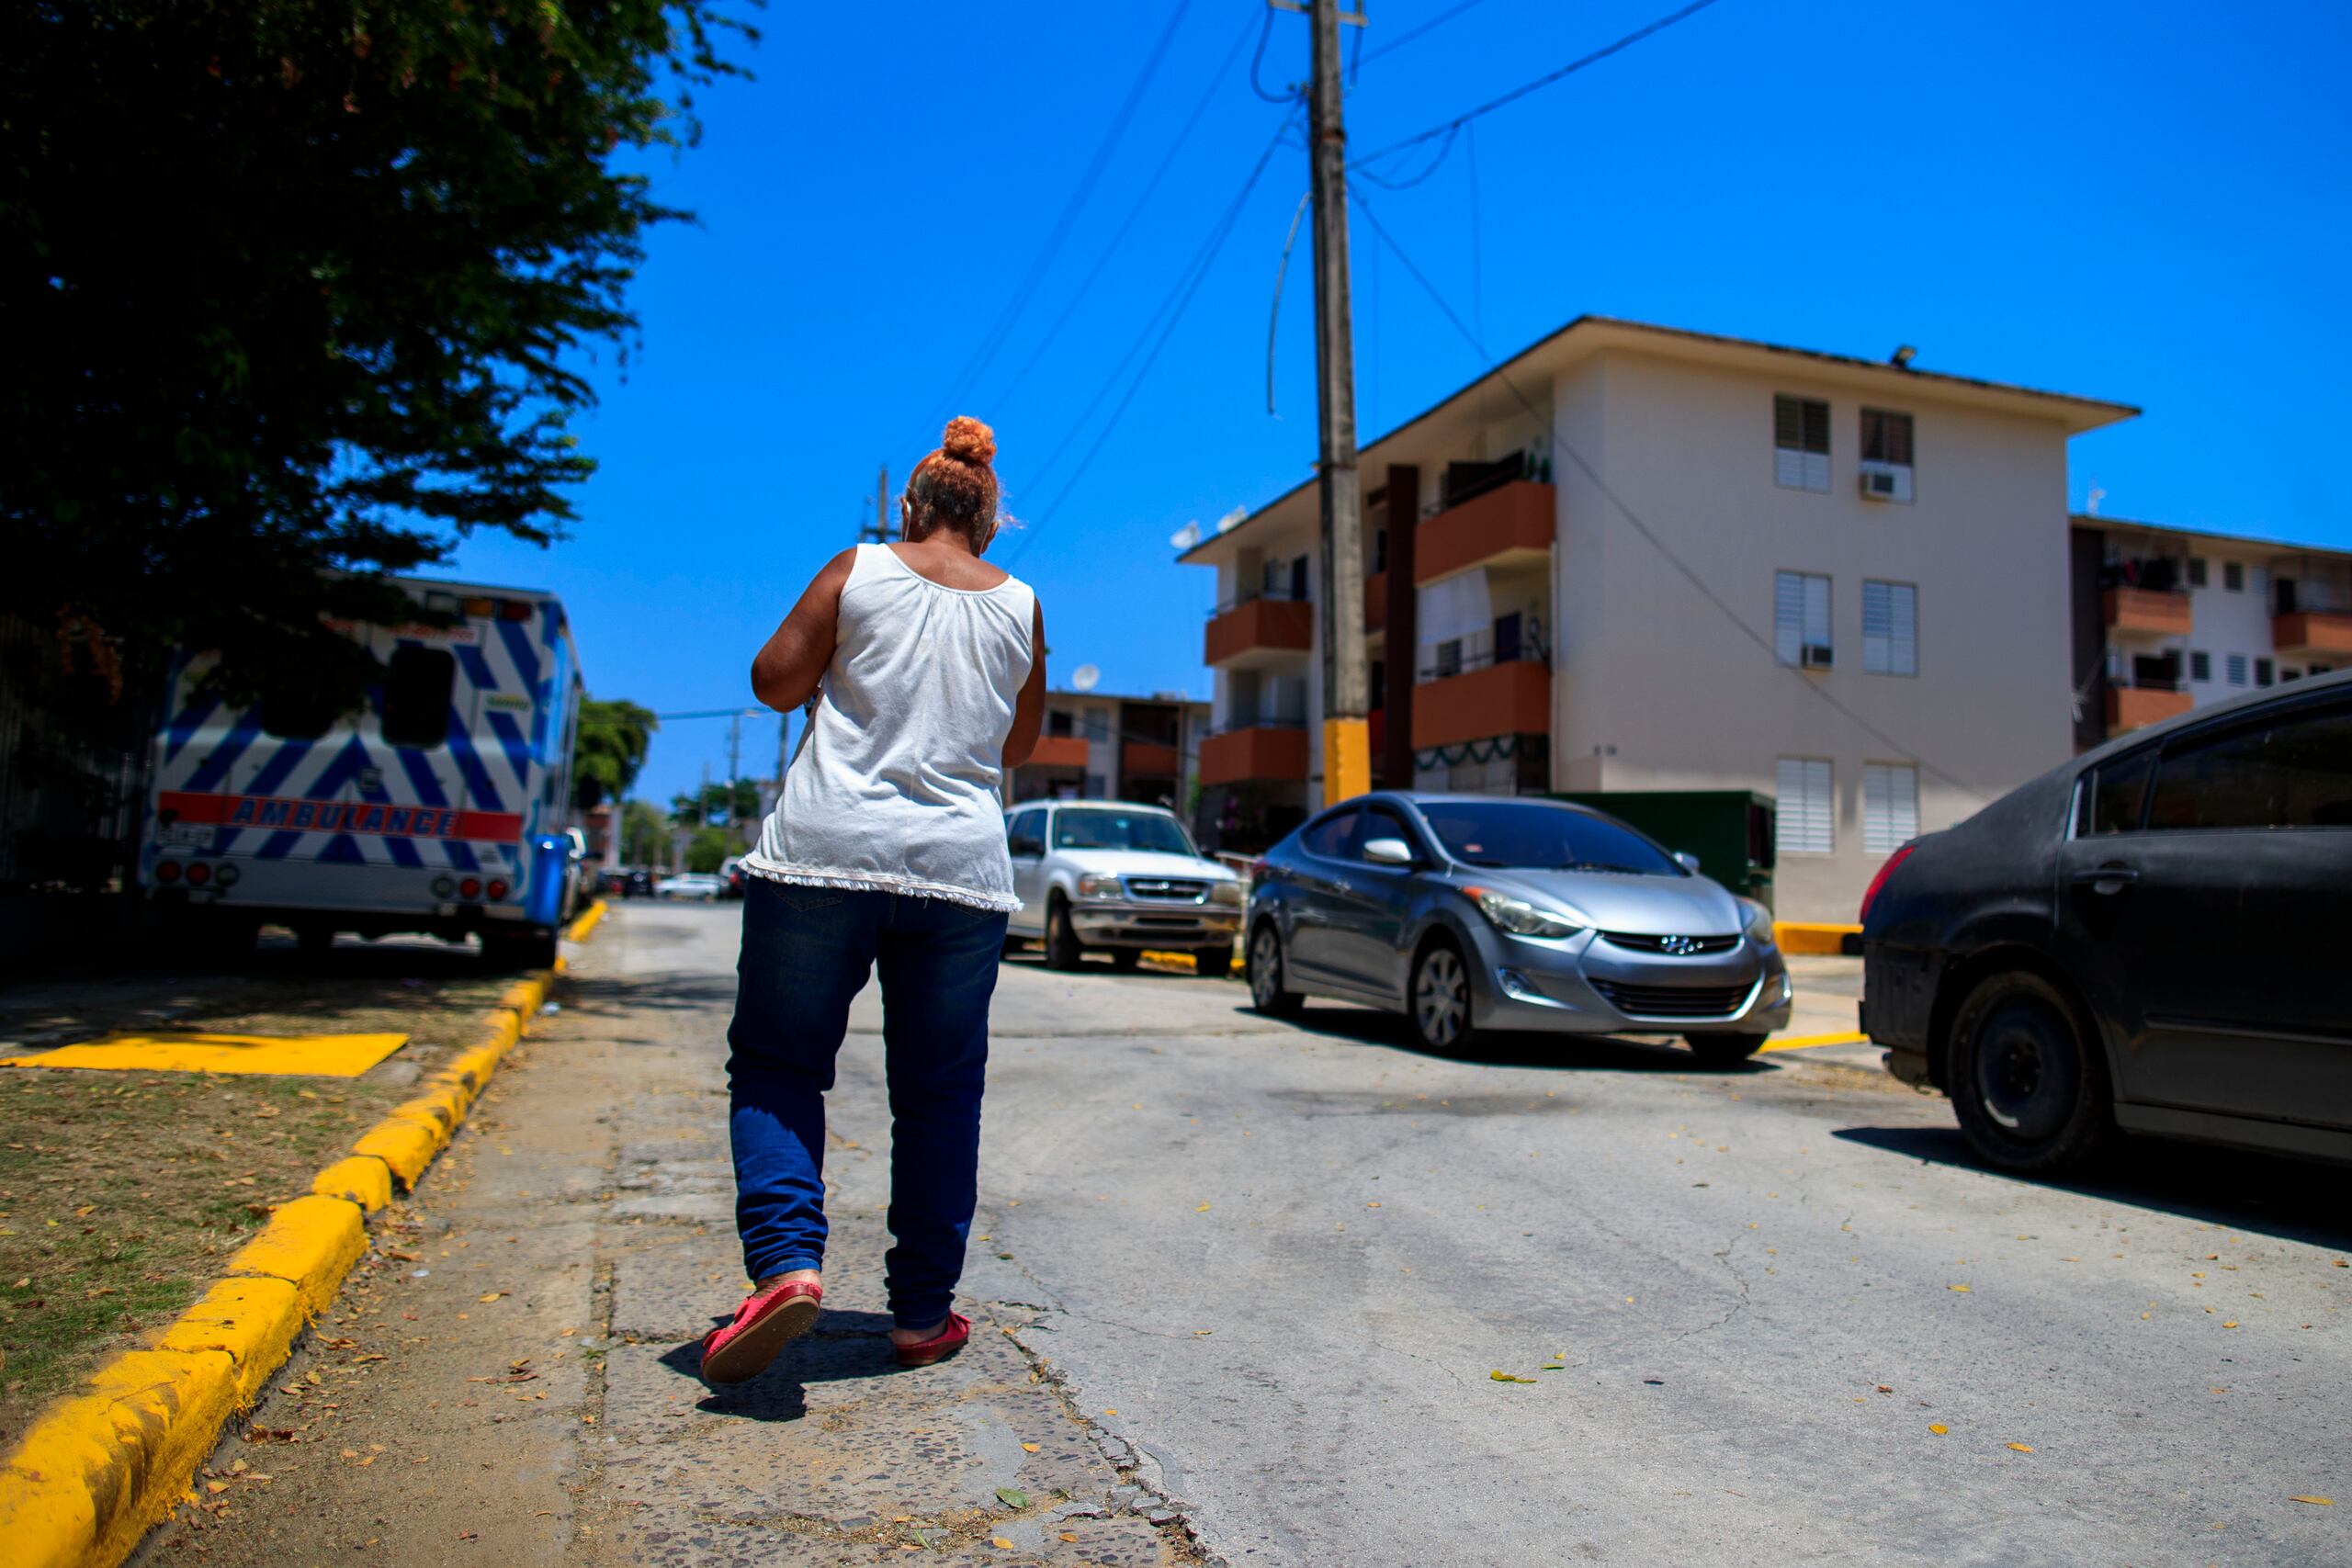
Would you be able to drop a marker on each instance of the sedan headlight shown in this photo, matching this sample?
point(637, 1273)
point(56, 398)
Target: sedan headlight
point(1519, 917)
point(1759, 922)
point(1225, 893)
point(1097, 885)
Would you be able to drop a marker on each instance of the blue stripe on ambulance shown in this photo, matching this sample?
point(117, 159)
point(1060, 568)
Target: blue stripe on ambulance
point(210, 773)
point(510, 737)
point(182, 727)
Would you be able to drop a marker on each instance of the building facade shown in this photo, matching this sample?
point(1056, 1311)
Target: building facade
point(1639, 559)
point(1098, 746)
point(2164, 619)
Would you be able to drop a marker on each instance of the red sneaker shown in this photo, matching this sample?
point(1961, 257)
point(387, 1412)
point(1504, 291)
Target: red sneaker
point(767, 1321)
point(940, 1346)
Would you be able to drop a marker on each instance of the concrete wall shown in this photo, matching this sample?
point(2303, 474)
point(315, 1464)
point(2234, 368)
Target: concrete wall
point(1655, 688)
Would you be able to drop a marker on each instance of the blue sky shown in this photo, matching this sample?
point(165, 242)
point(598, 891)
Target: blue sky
point(2143, 202)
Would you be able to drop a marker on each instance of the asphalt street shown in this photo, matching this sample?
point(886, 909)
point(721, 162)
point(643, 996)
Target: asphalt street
point(1244, 1288)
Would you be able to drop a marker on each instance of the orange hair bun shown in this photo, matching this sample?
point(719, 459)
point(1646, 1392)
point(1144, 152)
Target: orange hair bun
point(967, 439)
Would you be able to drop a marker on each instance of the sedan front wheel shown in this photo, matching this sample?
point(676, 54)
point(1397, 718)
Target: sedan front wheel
point(1440, 998)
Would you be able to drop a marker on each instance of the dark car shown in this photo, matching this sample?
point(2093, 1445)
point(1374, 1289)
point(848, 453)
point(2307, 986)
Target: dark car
point(2154, 938)
point(1468, 912)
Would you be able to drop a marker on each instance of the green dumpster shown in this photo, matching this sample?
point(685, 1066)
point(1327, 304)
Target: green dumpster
point(1731, 830)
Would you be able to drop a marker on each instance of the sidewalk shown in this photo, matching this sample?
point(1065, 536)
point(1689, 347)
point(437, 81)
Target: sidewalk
point(511, 1380)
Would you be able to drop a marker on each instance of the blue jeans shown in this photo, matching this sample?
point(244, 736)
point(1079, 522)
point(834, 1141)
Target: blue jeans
point(807, 952)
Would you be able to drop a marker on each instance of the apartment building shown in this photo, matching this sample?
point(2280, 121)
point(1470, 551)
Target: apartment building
point(1100, 746)
point(1637, 557)
point(2164, 619)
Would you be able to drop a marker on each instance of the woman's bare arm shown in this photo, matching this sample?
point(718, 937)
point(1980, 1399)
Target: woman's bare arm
point(785, 672)
point(1029, 711)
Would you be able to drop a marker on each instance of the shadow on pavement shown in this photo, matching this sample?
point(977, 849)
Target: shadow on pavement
point(2267, 1194)
point(845, 1346)
point(1554, 1053)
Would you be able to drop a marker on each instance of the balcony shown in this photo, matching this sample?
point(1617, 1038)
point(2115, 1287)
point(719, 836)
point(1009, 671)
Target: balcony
point(1258, 631)
point(2136, 707)
point(2323, 633)
point(1270, 750)
point(1146, 759)
point(1059, 752)
point(1506, 527)
point(2148, 612)
point(1478, 705)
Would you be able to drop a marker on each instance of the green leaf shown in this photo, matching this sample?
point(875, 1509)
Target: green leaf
point(1012, 1497)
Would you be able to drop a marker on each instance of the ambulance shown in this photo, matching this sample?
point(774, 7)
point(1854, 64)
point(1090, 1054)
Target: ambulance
point(443, 805)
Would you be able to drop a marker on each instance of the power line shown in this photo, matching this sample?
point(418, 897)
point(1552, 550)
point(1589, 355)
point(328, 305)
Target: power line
point(1401, 39)
point(1450, 127)
point(1687, 571)
point(1143, 199)
point(1259, 59)
point(1188, 283)
point(1047, 253)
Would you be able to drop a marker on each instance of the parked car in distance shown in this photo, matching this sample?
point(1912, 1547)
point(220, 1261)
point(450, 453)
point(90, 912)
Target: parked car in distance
point(689, 885)
point(1475, 912)
point(1120, 877)
point(730, 876)
point(2149, 939)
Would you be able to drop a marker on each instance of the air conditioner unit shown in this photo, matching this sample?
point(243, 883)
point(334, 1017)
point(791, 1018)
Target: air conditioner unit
point(1885, 481)
point(1814, 656)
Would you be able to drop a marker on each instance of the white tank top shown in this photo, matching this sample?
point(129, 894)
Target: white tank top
point(896, 784)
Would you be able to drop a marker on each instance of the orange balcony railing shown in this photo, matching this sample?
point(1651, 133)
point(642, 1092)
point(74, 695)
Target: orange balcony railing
point(1146, 759)
point(2327, 633)
point(1060, 752)
point(1505, 526)
point(1260, 752)
point(2146, 609)
point(1478, 705)
point(1259, 626)
point(2135, 708)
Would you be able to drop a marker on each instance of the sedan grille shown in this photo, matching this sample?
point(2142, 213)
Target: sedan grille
point(1673, 1001)
point(1173, 889)
point(1675, 946)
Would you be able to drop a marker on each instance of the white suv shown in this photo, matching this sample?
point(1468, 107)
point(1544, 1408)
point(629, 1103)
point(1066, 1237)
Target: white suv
point(1121, 877)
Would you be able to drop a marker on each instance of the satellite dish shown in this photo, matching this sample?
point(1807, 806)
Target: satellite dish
point(1226, 521)
point(1085, 678)
point(1184, 539)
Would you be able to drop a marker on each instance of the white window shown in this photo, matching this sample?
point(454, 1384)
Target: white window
point(2237, 669)
point(1807, 811)
point(1800, 620)
point(1890, 628)
point(1800, 444)
point(1889, 806)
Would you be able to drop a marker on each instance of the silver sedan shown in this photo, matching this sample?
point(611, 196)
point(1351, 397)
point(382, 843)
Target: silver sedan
point(1474, 912)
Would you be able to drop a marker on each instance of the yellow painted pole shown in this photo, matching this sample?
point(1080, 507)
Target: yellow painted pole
point(1347, 759)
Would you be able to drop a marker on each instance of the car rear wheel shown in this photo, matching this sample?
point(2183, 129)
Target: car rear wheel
point(1214, 962)
point(1266, 992)
point(2027, 1083)
point(1440, 998)
point(1062, 946)
point(1722, 1050)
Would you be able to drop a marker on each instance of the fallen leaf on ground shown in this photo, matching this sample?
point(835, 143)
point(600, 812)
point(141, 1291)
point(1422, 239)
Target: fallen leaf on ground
point(997, 1540)
point(1028, 1448)
point(2315, 1502)
point(1012, 1497)
point(490, 1296)
point(1069, 1535)
point(1202, 1209)
point(1939, 1428)
point(2021, 1448)
point(1499, 1376)
point(1962, 1288)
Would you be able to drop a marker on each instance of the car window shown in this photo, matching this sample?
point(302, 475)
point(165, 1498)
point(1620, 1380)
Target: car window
point(2112, 797)
point(1024, 834)
point(1102, 828)
point(1536, 836)
point(417, 685)
point(2284, 770)
point(1380, 822)
point(1332, 836)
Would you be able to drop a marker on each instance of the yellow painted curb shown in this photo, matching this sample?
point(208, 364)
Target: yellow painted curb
point(101, 1469)
point(1804, 936)
point(252, 1321)
point(589, 919)
point(362, 1179)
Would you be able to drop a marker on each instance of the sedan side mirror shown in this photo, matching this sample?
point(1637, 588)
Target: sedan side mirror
point(1687, 860)
point(1387, 851)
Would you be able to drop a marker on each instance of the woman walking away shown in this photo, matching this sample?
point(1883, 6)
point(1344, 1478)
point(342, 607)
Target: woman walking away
point(886, 851)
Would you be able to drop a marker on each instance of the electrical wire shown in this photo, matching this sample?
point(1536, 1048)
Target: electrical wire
point(1172, 308)
point(1143, 199)
point(1681, 567)
point(1595, 58)
point(1401, 39)
point(1259, 59)
point(1274, 315)
point(994, 340)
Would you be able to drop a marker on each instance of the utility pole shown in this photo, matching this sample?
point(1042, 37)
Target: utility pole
point(1347, 675)
point(882, 530)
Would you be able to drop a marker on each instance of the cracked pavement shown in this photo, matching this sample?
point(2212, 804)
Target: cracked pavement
point(1241, 1289)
